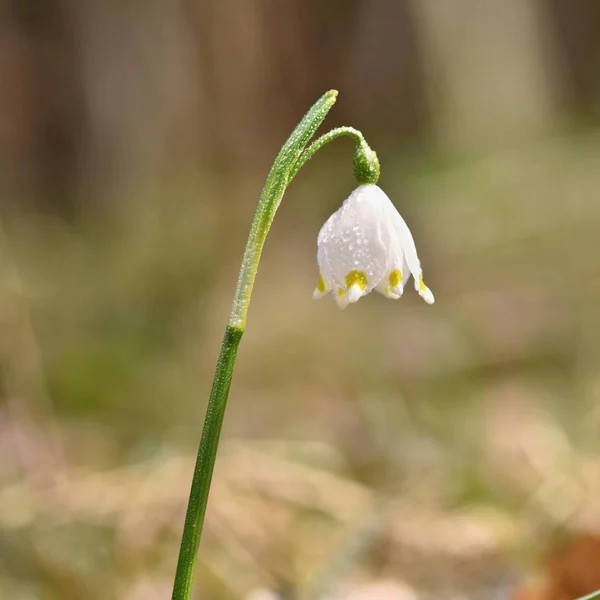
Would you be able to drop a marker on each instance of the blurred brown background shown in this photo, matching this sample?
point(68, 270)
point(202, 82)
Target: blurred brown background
point(392, 450)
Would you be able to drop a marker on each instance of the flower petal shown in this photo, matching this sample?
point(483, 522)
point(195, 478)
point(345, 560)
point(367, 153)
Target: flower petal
point(407, 242)
point(341, 297)
point(383, 288)
point(322, 289)
point(325, 279)
point(357, 238)
point(410, 258)
point(354, 293)
point(425, 292)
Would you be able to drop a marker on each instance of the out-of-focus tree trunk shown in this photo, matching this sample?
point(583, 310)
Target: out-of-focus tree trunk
point(383, 75)
point(265, 61)
point(234, 64)
point(142, 91)
point(577, 27)
point(95, 96)
point(41, 109)
point(100, 96)
point(489, 71)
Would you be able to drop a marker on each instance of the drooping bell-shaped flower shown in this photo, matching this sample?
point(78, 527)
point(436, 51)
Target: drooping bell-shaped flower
point(367, 245)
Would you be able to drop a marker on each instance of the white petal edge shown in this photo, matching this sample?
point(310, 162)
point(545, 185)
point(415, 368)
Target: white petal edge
point(341, 298)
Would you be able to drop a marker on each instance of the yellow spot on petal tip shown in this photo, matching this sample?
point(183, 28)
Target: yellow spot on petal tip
point(341, 292)
point(321, 287)
point(395, 278)
point(425, 292)
point(390, 294)
point(356, 277)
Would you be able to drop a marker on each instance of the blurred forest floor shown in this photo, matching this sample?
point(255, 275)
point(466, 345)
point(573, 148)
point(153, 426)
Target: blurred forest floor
point(434, 450)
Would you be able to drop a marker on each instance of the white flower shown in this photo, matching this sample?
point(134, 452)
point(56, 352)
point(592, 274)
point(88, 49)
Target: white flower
point(367, 245)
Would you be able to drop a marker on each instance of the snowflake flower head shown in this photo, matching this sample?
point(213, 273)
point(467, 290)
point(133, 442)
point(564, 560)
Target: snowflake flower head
point(367, 245)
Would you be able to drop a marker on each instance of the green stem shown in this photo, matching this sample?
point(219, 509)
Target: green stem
point(309, 152)
point(278, 179)
point(207, 452)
